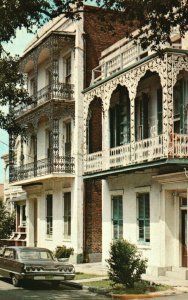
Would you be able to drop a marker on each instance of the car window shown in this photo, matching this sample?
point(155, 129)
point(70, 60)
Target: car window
point(9, 253)
point(35, 255)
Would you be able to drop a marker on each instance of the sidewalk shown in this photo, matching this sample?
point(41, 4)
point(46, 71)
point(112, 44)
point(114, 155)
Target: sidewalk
point(100, 269)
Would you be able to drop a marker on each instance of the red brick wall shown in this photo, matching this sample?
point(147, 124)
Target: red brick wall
point(95, 126)
point(96, 39)
point(93, 218)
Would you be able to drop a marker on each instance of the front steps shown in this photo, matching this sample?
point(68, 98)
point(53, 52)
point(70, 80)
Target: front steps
point(177, 273)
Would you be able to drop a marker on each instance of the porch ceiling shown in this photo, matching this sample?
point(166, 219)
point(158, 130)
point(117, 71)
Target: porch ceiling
point(138, 167)
point(42, 179)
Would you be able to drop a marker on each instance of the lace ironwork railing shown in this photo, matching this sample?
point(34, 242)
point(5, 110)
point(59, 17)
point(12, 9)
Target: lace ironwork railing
point(60, 164)
point(59, 91)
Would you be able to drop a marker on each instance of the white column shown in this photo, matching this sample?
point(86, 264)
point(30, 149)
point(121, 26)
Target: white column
point(30, 221)
point(177, 231)
point(162, 229)
point(77, 187)
point(105, 141)
point(106, 221)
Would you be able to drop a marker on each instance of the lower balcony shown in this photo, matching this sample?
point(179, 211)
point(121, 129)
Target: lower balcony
point(147, 150)
point(60, 165)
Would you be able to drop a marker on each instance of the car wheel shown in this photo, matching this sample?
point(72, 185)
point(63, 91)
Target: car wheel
point(15, 281)
point(55, 284)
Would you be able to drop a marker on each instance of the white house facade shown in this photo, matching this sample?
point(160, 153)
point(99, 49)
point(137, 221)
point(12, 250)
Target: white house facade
point(142, 153)
point(47, 163)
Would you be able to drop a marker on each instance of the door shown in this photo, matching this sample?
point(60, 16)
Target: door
point(184, 237)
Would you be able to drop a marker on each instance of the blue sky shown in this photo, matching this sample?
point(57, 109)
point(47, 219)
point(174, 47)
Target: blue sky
point(16, 47)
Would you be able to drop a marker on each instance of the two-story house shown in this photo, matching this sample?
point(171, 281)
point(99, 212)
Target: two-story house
point(47, 163)
point(136, 153)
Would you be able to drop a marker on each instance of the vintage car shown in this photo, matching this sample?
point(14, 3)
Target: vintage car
point(33, 263)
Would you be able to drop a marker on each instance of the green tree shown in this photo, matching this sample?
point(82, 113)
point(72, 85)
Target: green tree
point(153, 18)
point(7, 222)
point(125, 263)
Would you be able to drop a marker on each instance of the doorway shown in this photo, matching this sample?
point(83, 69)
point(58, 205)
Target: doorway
point(184, 237)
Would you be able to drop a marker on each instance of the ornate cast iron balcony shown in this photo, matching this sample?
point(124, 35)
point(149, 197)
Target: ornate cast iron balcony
point(60, 165)
point(137, 153)
point(60, 92)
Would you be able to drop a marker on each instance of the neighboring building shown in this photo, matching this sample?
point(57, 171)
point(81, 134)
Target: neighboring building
point(48, 164)
point(15, 201)
point(136, 148)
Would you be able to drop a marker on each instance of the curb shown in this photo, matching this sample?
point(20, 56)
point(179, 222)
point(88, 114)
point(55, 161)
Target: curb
point(73, 284)
point(135, 296)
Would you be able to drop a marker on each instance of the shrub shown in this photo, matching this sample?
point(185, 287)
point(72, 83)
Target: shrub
point(63, 252)
point(7, 222)
point(126, 264)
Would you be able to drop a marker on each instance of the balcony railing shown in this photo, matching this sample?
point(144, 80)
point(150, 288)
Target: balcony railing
point(126, 55)
point(136, 153)
point(60, 165)
point(60, 91)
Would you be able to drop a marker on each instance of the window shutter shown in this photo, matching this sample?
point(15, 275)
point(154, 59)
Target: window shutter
point(159, 111)
point(144, 116)
point(136, 104)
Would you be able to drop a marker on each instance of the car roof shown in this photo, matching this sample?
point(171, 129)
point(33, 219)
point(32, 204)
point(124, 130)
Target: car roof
point(26, 248)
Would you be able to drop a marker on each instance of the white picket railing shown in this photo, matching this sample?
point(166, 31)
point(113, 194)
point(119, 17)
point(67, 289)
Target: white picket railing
point(126, 55)
point(138, 152)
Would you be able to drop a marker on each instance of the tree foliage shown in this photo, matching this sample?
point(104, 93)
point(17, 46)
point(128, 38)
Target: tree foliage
point(7, 222)
point(126, 265)
point(153, 18)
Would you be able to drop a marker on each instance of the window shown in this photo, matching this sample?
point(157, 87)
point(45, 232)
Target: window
point(9, 254)
point(49, 215)
point(143, 217)
point(68, 70)
point(141, 117)
point(119, 118)
point(48, 77)
point(160, 111)
point(68, 139)
point(33, 149)
point(179, 106)
point(67, 215)
point(117, 216)
point(23, 215)
point(32, 86)
point(48, 143)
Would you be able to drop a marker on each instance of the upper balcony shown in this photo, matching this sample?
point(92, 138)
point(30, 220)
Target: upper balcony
point(60, 92)
point(138, 117)
point(48, 68)
point(126, 53)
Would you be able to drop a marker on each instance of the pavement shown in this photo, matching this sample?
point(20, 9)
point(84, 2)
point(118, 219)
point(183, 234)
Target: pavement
point(179, 286)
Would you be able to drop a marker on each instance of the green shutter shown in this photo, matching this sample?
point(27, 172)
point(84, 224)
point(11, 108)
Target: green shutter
point(159, 111)
point(144, 116)
point(136, 105)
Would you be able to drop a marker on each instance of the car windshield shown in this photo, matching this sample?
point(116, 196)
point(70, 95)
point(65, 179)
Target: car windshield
point(35, 255)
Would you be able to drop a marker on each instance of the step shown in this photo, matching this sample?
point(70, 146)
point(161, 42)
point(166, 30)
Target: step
point(178, 273)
